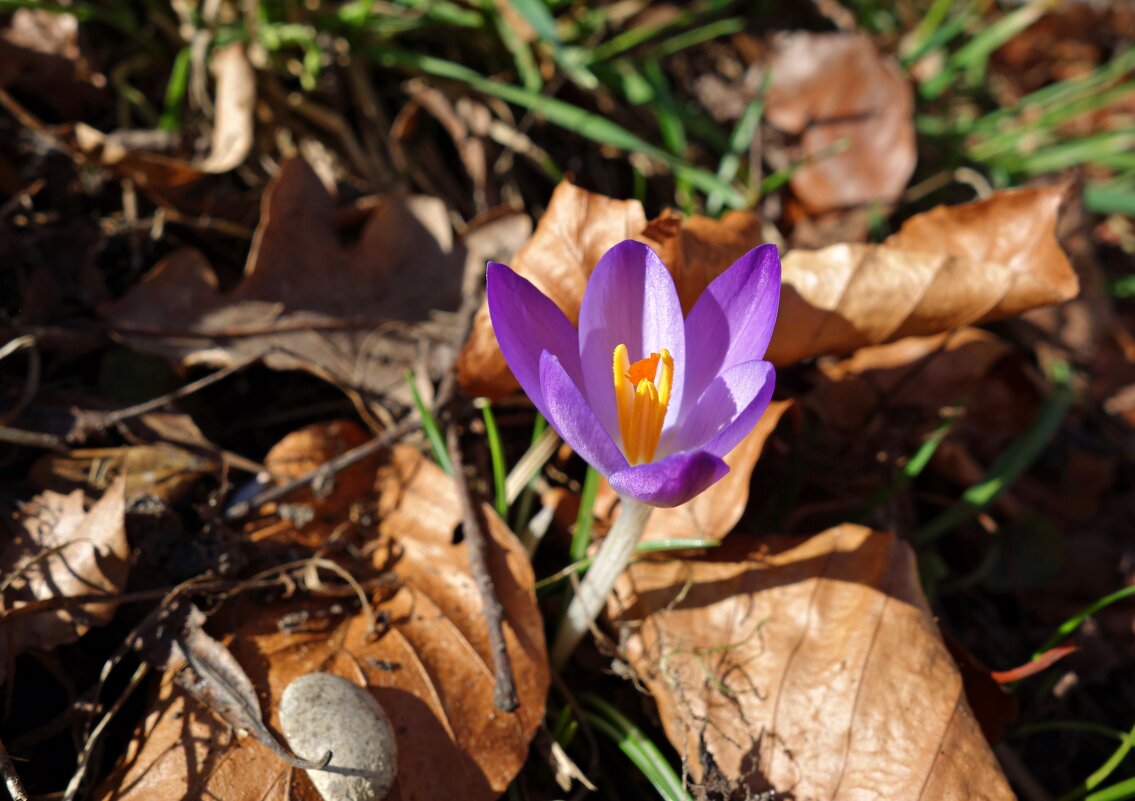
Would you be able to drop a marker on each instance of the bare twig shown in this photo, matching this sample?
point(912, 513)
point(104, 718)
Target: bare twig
point(106, 419)
point(325, 472)
point(32, 439)
point(504, 689)
point(31, 386)
point(11, 778)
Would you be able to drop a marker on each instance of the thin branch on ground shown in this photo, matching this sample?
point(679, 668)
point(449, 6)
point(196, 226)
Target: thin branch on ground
point(11, 778)
point(476, 526)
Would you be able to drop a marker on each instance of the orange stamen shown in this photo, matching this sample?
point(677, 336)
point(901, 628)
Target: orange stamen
point(642, 395)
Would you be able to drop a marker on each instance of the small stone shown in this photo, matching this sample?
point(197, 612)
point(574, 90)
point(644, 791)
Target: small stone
point(320, 712)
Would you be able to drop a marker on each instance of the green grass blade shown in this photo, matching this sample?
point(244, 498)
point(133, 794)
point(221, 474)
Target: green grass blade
point(585, 123)
point(933, 32)
point(430, 426)
point(973, 57)
point(1111, 148)
point(739, 143)
point(700, 35)
point(176, 87)
point(522, 56)
point(1101, 774)
point(640, 34)
point(639, 748)
point(581, 538)
point(1110, 197)
point(496, 455)
point(1117, 792)
point(1016, 459)
point(1070, 625)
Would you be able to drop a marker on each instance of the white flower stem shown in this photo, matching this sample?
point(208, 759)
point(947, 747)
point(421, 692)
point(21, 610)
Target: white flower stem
point(609, 562)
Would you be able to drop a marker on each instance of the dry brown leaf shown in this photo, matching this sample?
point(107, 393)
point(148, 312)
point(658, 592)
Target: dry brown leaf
point(818, 672)
point(163, 470)
point(354, 314)
point(62, 550)
point(578, 227)
point(715, 512)
point(302, 451)
point(40, 57)
point(235, 103)
point(854, 112)
point(926, 373)
point(698, 249)
point(430, 669)
point(949, 267)
point(167, 177)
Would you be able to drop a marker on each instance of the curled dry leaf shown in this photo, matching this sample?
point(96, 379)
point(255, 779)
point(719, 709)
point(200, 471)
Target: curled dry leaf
point(429, 667)
point(578, 227)
point(354, 314)
point(925, 373)
point(163, 470)
point(949, 267)
point(235, 103)
point(60, 549)
point(817, 672)
point(231, 140)
point(302, 451)
point(854, 113)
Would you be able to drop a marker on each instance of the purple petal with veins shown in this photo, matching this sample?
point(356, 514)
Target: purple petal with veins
point(724, 413)
point(732, 321)
point(574, 419)
point(721, 385)
point(631, 300)
point(670, 481)
point(527, 323)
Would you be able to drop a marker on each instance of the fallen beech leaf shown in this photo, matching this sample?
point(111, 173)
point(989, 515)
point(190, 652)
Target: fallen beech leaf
point(817, 672)
point(578, 227)
point(307, 300)
point(854, 112)
point(697, 249)
point(61, 550)
point(948, 267)
point(302, 451)
point(429, 669)
point(713, 513)
point(920, 372)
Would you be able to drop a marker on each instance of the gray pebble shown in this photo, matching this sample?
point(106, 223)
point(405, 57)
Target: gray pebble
point(320, 712)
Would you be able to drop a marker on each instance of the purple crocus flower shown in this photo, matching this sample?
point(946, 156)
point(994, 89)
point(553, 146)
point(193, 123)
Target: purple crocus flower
point(653, 401)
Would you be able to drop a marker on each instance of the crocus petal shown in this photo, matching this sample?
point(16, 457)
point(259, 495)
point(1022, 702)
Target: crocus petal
point(574, 420)
point(527, 323)
point(728, 409)
point(670, 481)
point(630, 299)
point(732, 321)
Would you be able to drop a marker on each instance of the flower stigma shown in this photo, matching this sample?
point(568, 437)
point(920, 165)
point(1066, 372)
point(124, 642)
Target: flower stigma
point(642, 395)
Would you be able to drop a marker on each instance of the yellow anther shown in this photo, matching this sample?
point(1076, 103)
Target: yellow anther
point(642, 395)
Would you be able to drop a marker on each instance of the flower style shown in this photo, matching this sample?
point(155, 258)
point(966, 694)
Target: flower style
point(653, 401)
